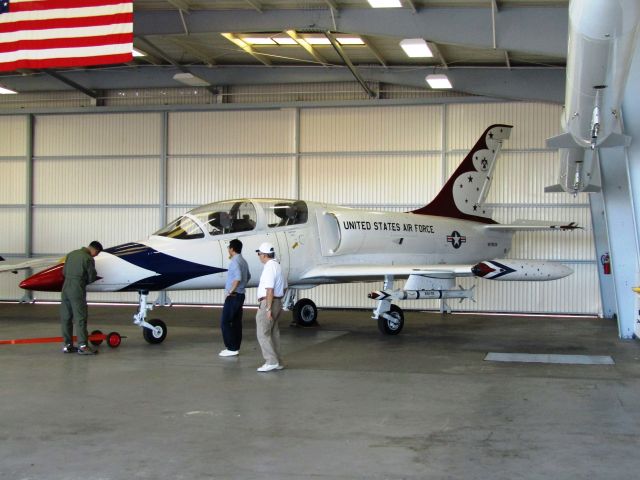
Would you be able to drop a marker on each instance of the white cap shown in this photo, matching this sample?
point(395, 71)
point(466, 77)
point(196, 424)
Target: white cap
point(265, 247)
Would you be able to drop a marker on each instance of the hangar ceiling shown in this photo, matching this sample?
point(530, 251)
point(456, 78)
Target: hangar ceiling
point(509, 49)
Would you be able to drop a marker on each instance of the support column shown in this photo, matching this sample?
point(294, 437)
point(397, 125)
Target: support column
point(631, 119)
point(28, 235)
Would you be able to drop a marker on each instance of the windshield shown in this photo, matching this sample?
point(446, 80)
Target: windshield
point(182, 228)
point(227, 217)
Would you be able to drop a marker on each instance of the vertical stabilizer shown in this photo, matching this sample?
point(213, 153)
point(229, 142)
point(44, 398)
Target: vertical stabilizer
point(466, 189)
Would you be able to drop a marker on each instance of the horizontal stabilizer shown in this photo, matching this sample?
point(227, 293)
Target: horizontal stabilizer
point(557, 188)
point(564, 140)
point(531, 225)
point(616, 140)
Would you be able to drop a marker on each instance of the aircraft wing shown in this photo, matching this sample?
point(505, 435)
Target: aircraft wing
point(531, 225)
point(28, 263)
point(362, 272)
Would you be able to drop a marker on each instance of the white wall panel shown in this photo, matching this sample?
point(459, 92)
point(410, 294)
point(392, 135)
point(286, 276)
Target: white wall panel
point(532, 123)
point(13, 181)
point(14, 135)
point(97, 181)
point(200, 180)
point(102, 134)
point(370, 179)
point(12, 239)
point(60, 230)
point(9, 289)
point(370, 129)
point(232, 132)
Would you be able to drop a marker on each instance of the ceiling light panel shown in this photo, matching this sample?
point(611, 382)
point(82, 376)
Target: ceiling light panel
point(416, 48)
point(438, 81)
point(253, 40)
point(316, 40)
point(350, 40)
point(385, 3)
point(7, 91)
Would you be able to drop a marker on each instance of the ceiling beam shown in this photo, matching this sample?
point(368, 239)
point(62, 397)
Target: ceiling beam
point(180, 5)
point(434, 48)
point(376, 53)
point(412, 5)
point(520, 83)
point(255, 4)
point(517, 31)
point(195, 50)
point(181, 68)
point(247, 48)
point(304, 44)
point(354, 71)
point(76, 86)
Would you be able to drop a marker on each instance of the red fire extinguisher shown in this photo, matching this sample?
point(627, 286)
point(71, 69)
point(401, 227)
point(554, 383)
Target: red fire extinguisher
point(606, 263)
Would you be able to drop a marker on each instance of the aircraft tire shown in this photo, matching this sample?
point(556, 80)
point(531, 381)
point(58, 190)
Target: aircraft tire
point(394, 327)
point(153, 336)
point(114, 339)
point(305, 313)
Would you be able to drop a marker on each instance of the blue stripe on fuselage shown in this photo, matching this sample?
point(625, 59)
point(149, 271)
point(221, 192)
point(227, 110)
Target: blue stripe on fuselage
point(169, 270)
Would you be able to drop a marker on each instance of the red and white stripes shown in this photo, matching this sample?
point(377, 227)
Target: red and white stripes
point(65, 33)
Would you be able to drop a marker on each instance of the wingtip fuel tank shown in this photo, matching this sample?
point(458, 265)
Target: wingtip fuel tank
point(602, 37)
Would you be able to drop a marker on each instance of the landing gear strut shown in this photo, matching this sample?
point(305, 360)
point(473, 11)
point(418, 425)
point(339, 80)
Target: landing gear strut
point(153, 331)
point(390, 317)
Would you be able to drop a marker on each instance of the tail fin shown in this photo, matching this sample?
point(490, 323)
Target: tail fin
point(468, 186)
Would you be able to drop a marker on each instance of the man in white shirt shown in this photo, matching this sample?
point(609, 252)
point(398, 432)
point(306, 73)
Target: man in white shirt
point(270, 292)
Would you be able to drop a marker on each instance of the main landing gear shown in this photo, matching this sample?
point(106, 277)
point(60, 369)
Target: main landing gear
point(155, 330)
point(390, 316)
point(305, 312)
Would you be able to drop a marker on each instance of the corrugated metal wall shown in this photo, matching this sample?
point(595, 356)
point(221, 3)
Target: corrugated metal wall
point(115, 177)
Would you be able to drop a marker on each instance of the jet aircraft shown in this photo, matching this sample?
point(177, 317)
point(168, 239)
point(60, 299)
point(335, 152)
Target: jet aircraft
point(453, 236)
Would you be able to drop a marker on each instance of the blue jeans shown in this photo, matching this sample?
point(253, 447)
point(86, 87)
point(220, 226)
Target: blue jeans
point(231, 321)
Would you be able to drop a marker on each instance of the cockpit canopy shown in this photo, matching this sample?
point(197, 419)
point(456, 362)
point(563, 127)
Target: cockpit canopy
point(236, 216)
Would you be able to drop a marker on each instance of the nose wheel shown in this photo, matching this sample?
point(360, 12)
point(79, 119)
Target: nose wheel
point(157, 333)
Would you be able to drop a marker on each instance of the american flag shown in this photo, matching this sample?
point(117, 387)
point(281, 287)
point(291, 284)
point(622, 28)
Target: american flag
point(64, 33)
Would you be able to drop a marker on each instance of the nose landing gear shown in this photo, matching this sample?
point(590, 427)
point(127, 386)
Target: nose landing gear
point(155, 330)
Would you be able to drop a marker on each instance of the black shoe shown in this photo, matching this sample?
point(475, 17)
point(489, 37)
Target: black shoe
point(86, 350)
point(69, 348)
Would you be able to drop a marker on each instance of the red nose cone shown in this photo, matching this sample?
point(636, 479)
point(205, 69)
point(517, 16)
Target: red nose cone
point(49, 280)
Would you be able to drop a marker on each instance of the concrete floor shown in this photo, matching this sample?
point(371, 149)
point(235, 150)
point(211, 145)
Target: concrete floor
point(350, 404)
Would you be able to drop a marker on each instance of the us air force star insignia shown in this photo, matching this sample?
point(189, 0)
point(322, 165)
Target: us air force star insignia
point(455, 239)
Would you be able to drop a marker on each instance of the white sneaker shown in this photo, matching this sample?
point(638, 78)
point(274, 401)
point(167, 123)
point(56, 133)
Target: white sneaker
point(229, 353)
point(267, 367)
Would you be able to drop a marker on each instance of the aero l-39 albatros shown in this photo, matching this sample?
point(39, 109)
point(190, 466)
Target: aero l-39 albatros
point(453, 236)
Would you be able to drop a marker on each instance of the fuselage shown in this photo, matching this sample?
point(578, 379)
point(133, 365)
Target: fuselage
point(191, 252)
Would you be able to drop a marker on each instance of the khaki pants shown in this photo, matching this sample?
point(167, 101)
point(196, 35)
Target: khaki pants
point(268, 331)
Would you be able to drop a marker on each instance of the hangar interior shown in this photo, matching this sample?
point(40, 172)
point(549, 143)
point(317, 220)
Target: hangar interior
point(114, 153)
point(139, 170)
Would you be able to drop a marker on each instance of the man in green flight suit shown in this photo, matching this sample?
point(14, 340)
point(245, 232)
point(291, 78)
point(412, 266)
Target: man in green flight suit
point(79, 271)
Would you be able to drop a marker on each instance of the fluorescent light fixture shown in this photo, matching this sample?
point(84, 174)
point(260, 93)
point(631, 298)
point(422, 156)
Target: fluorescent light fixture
point(416, 47)
point(259, 40)
point(317, 40)
point(7, 91)
point(138, 53)
point(191, 80)
point(285, 40)
point(350, 40)
point(385, 3)
point(438, 81)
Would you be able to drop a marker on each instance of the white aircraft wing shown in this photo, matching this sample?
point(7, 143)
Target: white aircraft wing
point(28, 263)
point(531, 225)
point(361, 272)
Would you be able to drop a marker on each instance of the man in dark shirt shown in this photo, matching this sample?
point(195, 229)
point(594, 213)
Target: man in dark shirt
point(79, 271)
